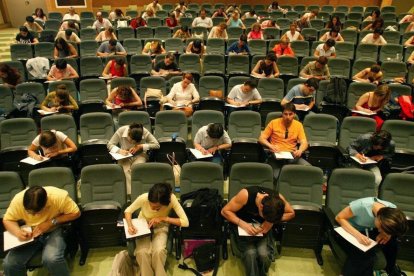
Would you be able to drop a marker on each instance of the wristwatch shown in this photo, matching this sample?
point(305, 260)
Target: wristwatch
point(54, 222)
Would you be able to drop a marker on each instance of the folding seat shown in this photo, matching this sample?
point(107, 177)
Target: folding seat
point(238, 65)
point(259, 7)
point(133, 14)
point(218, 20)
point(361, 64)
point(249, 21)
point(198, 31)
point(162, 32)
point(174, 45)
point(339, 67)
point(341, 15)
point(344, 186)
point(87, 34)
point(312, 7)
point(392, 37)
point(403, 27)
point(194, 6)
point(244, 124)
point(186, 21)
point(283, 23)
point(215, 46)
point(152, 105)
point(321, 130)
point(46, 35)
point(234, 32)
point(87, 15)
point(144, 33)
point(55, 16)
point(398, 189)
point(364, 24)
point(88, 48)
point(390, 16)
point(21, 51)
point(271, 32)
point(90, 66)
point(159, 57)
point(327, 8)
point(6, 100)
point(123, 81)
point(52, 24)
point(133, 46)
point(302, 188)
point(317, 24)
point(402, 133)
point(366, 51)
point(388, 9)
point(393, 69)
point(356, 90)
point(96, 129)
point(351, 128)
point(245, 7)
point(61, 122)
point(153, 22)
point(86, 24)
point(354, 20)
point(292, 15)
point(34, 88)
point(400, 89)
point(169, 123)
point(305, 60)
point(301, 48)
point(357, 9)
point(308, 33)
point(345, 50)
point(257, 47)
point(133, 116)
point(208, 83)
point(214, 64)
point(103, 192)
point(140, 65)
point(288, 65)
point(271, 88)
point(390, 52)
point(125, 32)
point(325, 16)
point(190, 63)
point(350, 35)
point(262, 14)
point(370, 9)
point(44, 49)
point(70, 86)
point(299, 8)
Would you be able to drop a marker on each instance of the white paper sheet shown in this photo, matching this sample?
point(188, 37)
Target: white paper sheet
point(109, 107)
point(243, 233)
point(298, 107)
point(235, 106)
point(44, 112)
point(11, 241)
point(118, 156)
point(363, 112)
point(347, 236)
point(283, 155)
point(369, 161)
point(199, 155)
point(32, 161)
point(141, 225)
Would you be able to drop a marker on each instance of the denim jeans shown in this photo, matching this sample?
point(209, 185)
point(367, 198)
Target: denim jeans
point(53, 246)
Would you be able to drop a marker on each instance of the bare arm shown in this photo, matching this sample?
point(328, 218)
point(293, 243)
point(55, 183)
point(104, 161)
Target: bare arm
point(361, 101)
point(105, 72)
point(31, 151)
point(110, 98)
point(360, 76)
point(343, 217)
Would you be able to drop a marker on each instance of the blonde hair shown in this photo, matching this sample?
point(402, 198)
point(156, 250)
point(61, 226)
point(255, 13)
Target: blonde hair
point(256, 25)
point(384, 92)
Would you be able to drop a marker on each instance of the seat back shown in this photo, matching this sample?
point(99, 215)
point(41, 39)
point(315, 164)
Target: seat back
point(125, 32)
point(340, 67)
point(11, 184)
point(398, 189)
point(61, 122)
point(367, 51)
point(394, 69)
point(249, 174)
point(140, 64)
point(70, 86)
point(103, 183)
point(144, 33)
point(130, 117)
point(145, 175)
point(320, 128)
point(197, 175)
point(352, 127)
point(361, 64)
point(44, 49)
point(170, 122)
point(207, 83)
point(152, 82)
point(301, 184)
point(190, 63)
point(90, 66)
point(6, 99)
point(356, 90)
point(21, 51)
point(96, 125)
point(174, 45)
point(271, 88)
point(88, 48)
point(346, 185)
point(17, 132)
point(244, 124)
point(402, 133)
point(205, 117)
point(288, 65)
point(93, 89)
point(215, 46)
point(238, 64)
point(33, 88)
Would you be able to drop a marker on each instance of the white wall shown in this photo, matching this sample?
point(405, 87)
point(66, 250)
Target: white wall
point(18, 10)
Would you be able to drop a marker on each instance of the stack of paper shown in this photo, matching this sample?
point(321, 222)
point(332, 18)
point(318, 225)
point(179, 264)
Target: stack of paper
point(118, 156)
point(199, 155)
point(283, 155)
point(363, 112)
point(140, 225)
point(44, 112)
point(11, 241)
point(32, 161)
point(234, 106)
point(243, 233)
point(351, 239)
point(367, 162)
point(113, 107)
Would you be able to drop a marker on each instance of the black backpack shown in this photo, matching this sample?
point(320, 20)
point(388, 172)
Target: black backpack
point(25, 105)
point(336, 91)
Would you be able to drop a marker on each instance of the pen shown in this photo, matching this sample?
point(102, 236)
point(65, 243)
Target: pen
point(255, 221)
point(366, 232)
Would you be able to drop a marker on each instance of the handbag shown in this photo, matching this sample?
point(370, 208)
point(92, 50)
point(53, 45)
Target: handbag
point(206, 257)
point(217, 93)
point(153, 93)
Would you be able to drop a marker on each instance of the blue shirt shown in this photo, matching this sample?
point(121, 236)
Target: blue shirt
point(362, 209)
point(235, 23)
point(234, 48)
point(296, 96)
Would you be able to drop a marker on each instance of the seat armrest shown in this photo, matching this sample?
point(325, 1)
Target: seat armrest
point(322, 144)
point(330, 216)
point(299, 207)
point(404, 151)
point(95, 142)
point(101, 206)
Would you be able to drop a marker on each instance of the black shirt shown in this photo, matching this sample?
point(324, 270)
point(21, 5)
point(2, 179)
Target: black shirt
point(250, 212)
point(25, 39)
point(161, 65)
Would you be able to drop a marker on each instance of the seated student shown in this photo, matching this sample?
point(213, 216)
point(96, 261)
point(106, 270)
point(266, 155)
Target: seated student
point(43, 209)
point(292, 34)
point(275, 7)
point(100, 22)
point(316, 69)
point(171, 21)
point(302, 95)
point(335, 22)
point(195, 47)
point(61, 70)
point(374, 38)
point(123, 96)
point(408, 18)
point(269, 24)
point(59, 100)
point(219, 31)
point(111, 47)
point(211, 139)
point(202, 20)
point(255, 33)
point(166, 67)
point(69, 25)
point(283, 48)
point(155, 207)
point(137, 22)
point(182, 33)
point(376, 24)
point(32, 26)
point(235, 21)
point(69, 36)
point(25, 37)
point(39, 14)
point(71, 15)
point(374, 102)
point(373, 16)
point(106, 35)
point(115, 68)
point(117, 14)
point(181, 6)
point(409, 42)
point(9, 76)
point(133, 139)
point(64, 50)
point(383, 222)
point(220, 13)
point(304, 21)
point(332, 34)
point(239, 47)
point(183, 95)
point(148, 14)
point(154, 6)
point(55, 145)
point(244, 95)
point(285, 134)
point(153, 48)
point(267, 67)
point(233, 8)
point(252, 205)
point(326, 49)
point(249, 14)
point(372, 75)
point(378, 146)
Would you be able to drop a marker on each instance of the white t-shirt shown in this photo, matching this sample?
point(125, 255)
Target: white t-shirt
point(322, 51)
point(60, 136)
point(180, 96)
point(292, 37)
point(71, 17)
point(199, 22)
point(328, 36)
point(369, 39)
point(237, 95)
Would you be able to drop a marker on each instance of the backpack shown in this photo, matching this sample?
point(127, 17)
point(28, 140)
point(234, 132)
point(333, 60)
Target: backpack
point(336, 91)
point(25, 105)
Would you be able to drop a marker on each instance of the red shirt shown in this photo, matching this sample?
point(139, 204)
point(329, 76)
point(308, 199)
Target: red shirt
point(283, 52)
point(114, 71)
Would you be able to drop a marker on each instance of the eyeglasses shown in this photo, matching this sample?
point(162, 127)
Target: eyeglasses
point(286, 133)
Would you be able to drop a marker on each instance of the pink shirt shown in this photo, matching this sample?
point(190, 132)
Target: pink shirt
point(62, 74)
point(255, 35)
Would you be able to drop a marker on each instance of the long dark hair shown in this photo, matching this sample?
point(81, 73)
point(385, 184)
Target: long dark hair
point(42, 14)
point(160, 193)
point(64, 44)
point(13, 76)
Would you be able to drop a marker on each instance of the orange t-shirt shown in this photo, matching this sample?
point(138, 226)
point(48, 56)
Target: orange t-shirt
point(275, 133)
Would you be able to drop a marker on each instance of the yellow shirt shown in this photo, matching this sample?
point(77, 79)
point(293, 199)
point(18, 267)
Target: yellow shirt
point(276, 131)
point(148, 214)
point(58, 203)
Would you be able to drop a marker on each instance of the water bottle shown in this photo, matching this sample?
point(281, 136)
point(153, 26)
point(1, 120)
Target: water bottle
point(174, 136)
